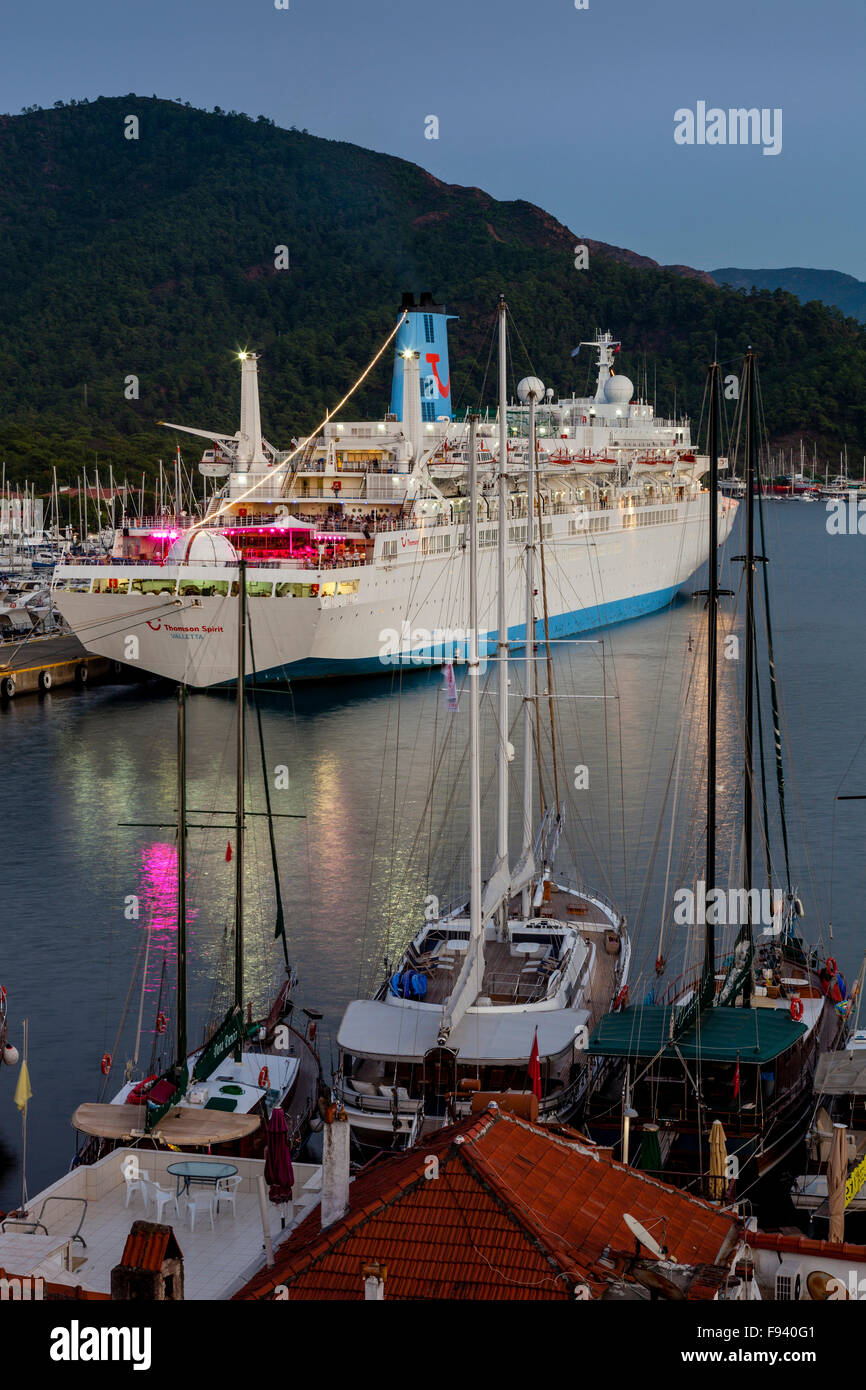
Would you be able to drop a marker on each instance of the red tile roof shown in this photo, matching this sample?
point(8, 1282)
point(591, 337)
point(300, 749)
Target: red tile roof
point(148, 1246)
point(516, 1212)
point(804, 1245)
point(55, 1292)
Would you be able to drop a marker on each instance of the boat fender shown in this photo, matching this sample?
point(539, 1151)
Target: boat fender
point(831, 965)
point(796, 1008)
point(620, 999)
point(312, 1031)
point(264, 1079)
point(106, 1063)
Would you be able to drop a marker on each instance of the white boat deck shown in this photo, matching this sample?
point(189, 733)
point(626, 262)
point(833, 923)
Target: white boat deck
point(216, 1262)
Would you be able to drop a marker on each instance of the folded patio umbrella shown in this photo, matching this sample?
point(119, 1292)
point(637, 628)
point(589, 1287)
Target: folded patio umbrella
point(279, 1174)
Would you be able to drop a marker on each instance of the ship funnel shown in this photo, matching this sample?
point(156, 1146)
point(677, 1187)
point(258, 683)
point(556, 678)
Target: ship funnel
point(424, 331)
point(250, 433)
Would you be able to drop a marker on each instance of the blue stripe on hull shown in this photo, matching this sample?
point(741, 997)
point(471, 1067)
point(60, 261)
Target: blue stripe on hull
point(562, 625)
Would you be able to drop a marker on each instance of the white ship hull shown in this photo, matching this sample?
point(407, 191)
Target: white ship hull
point(404, 608)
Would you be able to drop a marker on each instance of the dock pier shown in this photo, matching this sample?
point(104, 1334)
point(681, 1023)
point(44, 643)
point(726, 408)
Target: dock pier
point(39, 664)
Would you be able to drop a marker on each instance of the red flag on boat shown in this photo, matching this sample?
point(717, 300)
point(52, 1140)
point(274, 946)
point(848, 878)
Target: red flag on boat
point(737, 1078)
point(228, 852)
point(535, 1067)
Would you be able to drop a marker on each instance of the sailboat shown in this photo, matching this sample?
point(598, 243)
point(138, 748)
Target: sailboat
point(739, 1041)
point(221, 1095)
point(496, 999)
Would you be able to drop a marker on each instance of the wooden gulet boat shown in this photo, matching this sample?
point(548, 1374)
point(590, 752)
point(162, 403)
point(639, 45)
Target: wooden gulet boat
point(220, 1096)
point(739, 1041)
point(522, 970)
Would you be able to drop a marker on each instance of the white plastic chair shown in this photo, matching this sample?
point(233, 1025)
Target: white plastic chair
point(227, 1190)
point(136, 1182)
point(202, 1200)
point(161, 1196)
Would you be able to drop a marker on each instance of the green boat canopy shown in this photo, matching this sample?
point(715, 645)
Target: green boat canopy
point(718, 1035)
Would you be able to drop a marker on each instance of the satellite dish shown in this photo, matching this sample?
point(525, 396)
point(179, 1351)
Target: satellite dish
point(642, 1235)
point(823, 1287)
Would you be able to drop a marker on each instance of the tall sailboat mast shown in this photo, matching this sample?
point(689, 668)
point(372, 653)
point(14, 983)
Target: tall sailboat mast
point(474, 697)
point(529, 651)
point(748, 704)
point(239, 792)
point(181, 1030)
point(707, 992)
point(502, 610)
point(468, 983)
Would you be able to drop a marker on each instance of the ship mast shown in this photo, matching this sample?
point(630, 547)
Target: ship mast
point(529, 650)
point(748, 707)
point(468, 983)
point(502, 613)
point(707, 990)
point(475, 927)
point(239, 795)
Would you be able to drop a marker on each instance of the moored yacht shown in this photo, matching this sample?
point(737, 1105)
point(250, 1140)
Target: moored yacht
point(496, 998)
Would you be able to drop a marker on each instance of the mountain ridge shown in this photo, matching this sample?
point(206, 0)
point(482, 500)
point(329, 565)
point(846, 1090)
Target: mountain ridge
point(832, 287)
point(154, 258)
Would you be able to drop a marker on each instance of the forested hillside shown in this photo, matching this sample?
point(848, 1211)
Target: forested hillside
point(154, 257)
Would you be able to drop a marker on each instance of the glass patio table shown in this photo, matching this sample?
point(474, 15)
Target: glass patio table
point(202, 1173)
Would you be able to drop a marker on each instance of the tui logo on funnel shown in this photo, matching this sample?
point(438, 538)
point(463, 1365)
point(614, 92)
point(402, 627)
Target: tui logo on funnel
point(424, 331)
point(433, 359)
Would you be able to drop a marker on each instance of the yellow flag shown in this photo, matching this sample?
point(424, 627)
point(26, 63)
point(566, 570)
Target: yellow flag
point(23, 1092)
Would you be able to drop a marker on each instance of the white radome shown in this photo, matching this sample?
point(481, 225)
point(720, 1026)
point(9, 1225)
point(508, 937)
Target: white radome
point(618, 390)
point(530, 386)
point(203, 547)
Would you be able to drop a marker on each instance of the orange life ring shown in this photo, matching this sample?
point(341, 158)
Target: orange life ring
point(106, 1063)
point(161, 1022)
point(264, 1079)
point(830, 964)
point(796, 1008)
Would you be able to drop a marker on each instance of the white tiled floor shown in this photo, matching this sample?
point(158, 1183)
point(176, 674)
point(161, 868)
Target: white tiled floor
point(216, 1262)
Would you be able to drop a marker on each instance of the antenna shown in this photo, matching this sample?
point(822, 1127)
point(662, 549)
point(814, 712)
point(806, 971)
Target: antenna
point(643, 1237)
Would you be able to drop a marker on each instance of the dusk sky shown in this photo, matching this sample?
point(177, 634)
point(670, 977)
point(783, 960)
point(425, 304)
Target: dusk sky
point(570, 109)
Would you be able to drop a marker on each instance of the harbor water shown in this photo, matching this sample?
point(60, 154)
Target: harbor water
point(89, 853)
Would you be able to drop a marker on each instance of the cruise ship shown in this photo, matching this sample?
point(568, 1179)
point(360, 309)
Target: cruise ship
point(355, 540)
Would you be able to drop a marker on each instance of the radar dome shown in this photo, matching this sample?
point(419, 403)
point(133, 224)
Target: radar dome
point(530, 386)
point(618, 390)
point(202, 547)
